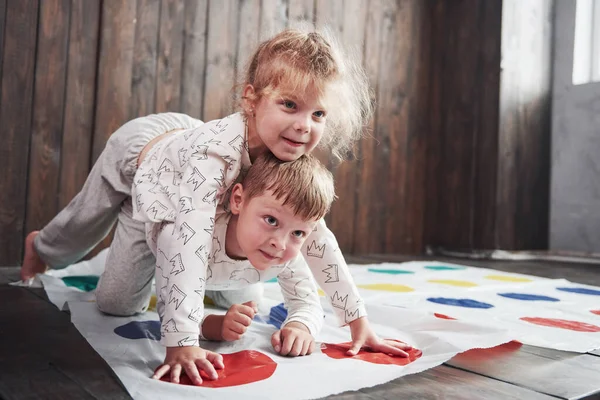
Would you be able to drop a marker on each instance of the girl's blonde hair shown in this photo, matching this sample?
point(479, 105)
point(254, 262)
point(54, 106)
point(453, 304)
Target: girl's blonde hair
point(303, 184)
point(309, 63)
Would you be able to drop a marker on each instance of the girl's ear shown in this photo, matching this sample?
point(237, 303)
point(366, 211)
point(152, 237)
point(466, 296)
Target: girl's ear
point(248, 95)
point(236, 199)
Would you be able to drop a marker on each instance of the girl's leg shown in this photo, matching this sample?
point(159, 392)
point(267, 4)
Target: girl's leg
point(89, 217)
point(125, 286)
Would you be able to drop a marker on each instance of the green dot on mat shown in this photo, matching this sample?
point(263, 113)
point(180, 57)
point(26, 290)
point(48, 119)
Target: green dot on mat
point(391, 271)
point(442, 267)
point(271, 280)
point(86, 283)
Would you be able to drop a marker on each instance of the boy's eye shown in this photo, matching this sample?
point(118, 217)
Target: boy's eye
point(319, 114)
point(271, 220)
point(289, 104)
point(298, 234)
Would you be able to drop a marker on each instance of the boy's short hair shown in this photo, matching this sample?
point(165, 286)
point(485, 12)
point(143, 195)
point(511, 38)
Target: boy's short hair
point(303, 184)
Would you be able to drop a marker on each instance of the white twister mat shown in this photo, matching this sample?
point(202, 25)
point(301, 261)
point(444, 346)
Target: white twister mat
point(441, 309)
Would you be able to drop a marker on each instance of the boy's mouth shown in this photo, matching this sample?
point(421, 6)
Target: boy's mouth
point(268, 256)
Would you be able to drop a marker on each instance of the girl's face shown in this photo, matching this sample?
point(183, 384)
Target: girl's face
point(286, 125)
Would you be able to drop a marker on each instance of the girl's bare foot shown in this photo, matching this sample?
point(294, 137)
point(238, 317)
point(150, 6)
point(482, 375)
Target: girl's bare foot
point(32, 263)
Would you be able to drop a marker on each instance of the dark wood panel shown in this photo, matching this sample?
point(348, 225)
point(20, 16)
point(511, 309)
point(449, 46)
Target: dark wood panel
point(273, 17)
point(113, 94)
point(170, 47)
point(366, 220)
point(248, 39)
point(79, 99)
point(221, 42)
point(48, 106)
point(18, 63)
point(145, 54)
point(194, 57)
point(524, 139)
point(2, 27)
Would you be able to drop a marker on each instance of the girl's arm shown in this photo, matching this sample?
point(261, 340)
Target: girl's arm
point(327, 264)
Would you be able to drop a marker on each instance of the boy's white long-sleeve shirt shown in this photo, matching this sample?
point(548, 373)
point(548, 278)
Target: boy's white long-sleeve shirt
point(178, 186)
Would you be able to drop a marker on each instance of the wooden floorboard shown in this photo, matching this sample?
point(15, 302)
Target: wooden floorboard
point(28, 367)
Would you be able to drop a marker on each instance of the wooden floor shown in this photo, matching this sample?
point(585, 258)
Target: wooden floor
point(43, 356)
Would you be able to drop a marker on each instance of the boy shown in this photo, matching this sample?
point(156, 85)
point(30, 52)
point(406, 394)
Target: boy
point(271, 214)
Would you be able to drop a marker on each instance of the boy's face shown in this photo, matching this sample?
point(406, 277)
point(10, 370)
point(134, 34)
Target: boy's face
point(268, 233)
point(288, 126)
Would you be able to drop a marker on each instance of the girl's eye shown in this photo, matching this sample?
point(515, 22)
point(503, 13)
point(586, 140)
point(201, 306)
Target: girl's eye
point(289, 104)
point(298, 234)
point(319, 114)
point(271, 220)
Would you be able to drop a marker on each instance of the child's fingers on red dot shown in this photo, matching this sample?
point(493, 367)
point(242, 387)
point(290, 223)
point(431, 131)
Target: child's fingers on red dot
point(161, 371)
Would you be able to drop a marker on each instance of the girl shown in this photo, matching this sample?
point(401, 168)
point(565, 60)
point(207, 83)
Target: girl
point(299, 91)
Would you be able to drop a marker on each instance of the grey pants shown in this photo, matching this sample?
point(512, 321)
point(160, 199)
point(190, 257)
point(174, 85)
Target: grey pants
point(125, 286)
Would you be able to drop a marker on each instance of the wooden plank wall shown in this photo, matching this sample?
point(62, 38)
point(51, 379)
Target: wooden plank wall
point(73, 71)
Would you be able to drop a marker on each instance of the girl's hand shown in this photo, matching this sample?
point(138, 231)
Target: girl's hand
point(363, 336)
point(294, 339)
point(193, 360)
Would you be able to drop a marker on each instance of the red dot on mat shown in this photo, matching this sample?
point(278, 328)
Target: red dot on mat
point(597, 312)
point(563, 324)
point(243, 367)
point(339, 350)
point(442, 316)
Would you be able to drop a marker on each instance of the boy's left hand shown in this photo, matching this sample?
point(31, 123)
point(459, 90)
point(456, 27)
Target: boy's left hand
point(294, 339)
point(363, 336)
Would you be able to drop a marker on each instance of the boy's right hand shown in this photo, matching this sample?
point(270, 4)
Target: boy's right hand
point(193, 360)
point(237, 320)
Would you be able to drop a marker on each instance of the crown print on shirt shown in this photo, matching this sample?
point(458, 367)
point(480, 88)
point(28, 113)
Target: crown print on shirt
point(351, 316)
point(186, 204)
point(176, 296)
point(202, 254)
point(170, 326)
point(166, 166)
point(188, 341)
point(157, 210)
point(195, 315)
point(237, 144)
point(200, 290)
point(196, 179)
point(339, 302)
point(332, 273)
point(177, 264)
point(186, 233)
point(200, 153)
point(182, 155)
point(312, 250)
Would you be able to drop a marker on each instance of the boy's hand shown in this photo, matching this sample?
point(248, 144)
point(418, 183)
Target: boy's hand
point(363, 336)
point(237, 320)
point(193, 360)
point(294, 339)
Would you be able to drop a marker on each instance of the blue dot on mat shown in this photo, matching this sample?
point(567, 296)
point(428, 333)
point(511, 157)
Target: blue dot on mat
point(390, 271)
point(277, 315)
point(468, 303)
point(271, 280)
point(443, 267)
point(529, 297)
point(139, 330)
point(592, 292)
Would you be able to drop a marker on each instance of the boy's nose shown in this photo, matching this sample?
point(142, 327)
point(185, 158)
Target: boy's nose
point(278, 243)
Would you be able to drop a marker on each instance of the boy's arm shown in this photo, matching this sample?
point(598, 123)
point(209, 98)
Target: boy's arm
point(331, 272)
point(300, 295)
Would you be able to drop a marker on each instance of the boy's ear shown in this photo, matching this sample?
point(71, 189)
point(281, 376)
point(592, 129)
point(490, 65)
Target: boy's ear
point(236, 199)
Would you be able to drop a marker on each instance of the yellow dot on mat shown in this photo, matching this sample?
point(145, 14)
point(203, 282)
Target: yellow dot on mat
point(453, 282)
point(387, 287)
point(321, 293)
point(152, 305)
point(505, 278)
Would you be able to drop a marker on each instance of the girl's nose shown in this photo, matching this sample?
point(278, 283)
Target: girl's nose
point(302, 123)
